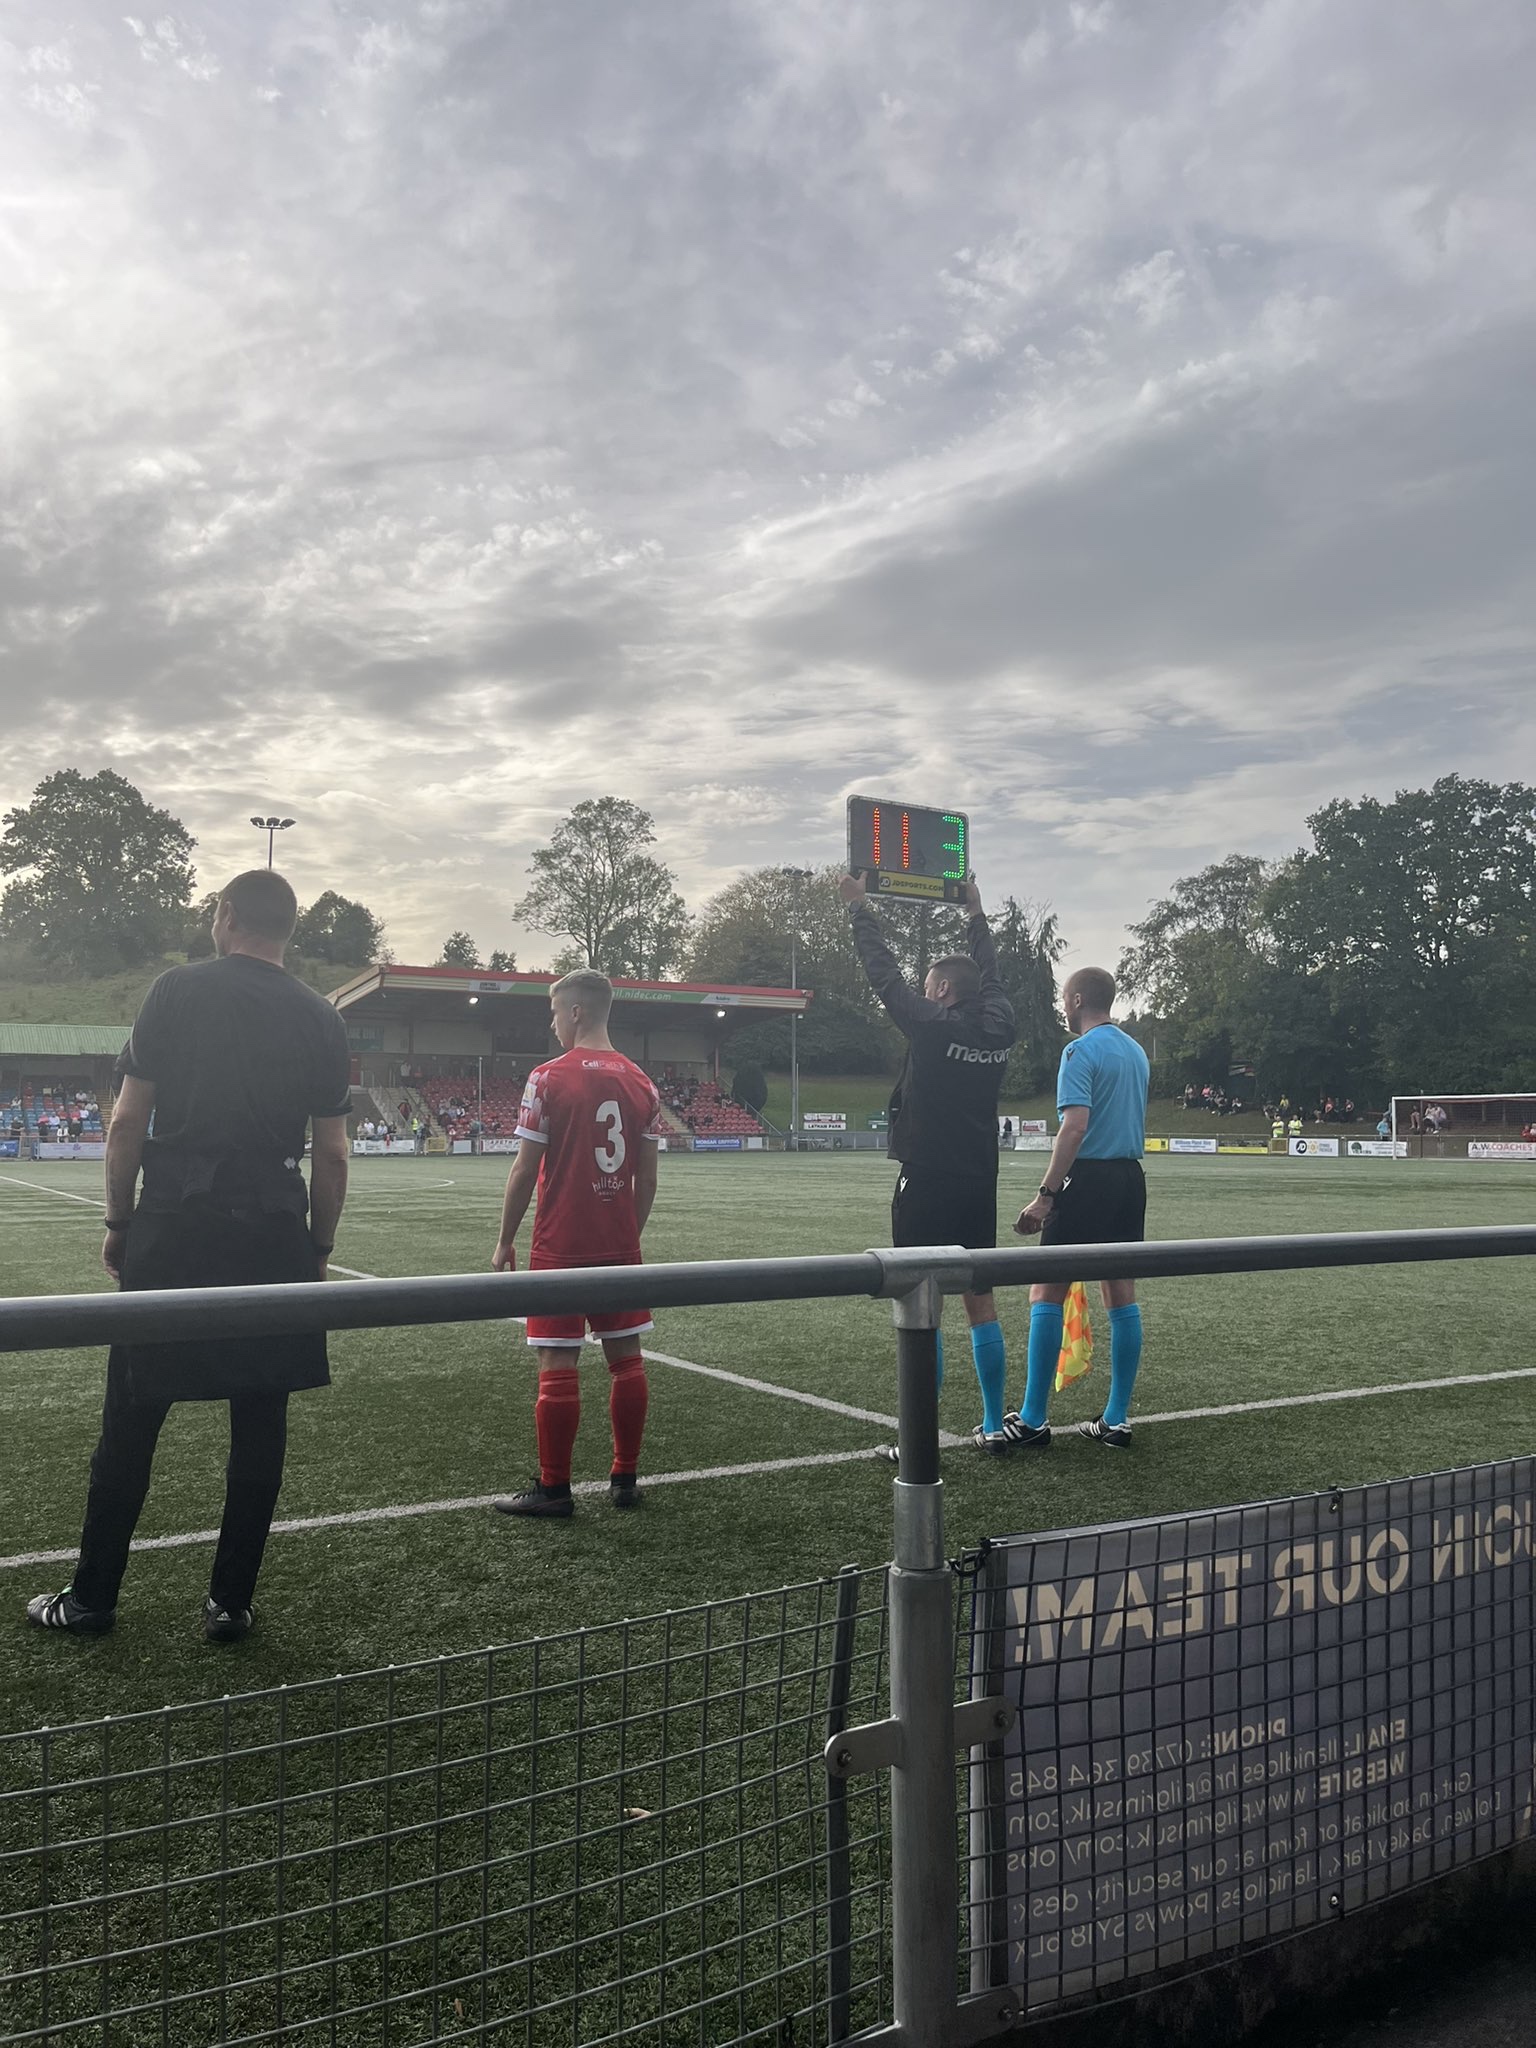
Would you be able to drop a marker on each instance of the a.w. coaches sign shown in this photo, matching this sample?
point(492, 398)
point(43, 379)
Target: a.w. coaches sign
point(1236, 1725)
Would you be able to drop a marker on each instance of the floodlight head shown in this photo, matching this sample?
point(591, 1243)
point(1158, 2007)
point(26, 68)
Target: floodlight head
point(261, 823)
point(273, 823)
point(283, 824)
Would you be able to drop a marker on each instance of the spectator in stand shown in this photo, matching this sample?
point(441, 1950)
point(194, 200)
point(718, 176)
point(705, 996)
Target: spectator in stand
point(1349, 1109)
point(405, 1114)
point(1384, 1128)
point(418, 1134)
point(1190, 1095)
point(1293, 1125)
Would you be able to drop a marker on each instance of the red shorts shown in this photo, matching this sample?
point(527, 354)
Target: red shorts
point(569, 1333)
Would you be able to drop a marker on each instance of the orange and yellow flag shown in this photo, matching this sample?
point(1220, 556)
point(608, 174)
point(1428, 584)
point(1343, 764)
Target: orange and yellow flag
point(1076, 1337)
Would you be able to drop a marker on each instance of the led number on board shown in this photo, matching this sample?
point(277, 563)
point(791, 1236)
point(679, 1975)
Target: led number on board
point(956, 846)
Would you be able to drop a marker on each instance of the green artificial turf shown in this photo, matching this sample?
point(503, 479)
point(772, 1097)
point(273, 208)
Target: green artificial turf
point(604, 1831)
point(423, 1415)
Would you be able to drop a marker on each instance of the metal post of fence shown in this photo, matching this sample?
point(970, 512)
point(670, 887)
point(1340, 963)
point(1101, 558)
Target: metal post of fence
point(925, 1895)
point(839, 1862)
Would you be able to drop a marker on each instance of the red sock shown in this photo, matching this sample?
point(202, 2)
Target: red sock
point(557, 1417)
point(629, 1396)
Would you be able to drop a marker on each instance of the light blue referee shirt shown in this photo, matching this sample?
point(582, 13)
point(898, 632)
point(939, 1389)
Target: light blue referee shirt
point(1105, 1072)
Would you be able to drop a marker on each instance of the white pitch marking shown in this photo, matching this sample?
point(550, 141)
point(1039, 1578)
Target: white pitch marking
point(1465, 1379)
point(359, 1517)
point(58, 1193)
point(751, 1386)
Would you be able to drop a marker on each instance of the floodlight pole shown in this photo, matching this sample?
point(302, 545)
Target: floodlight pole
point(271, 826)
point(795, 876)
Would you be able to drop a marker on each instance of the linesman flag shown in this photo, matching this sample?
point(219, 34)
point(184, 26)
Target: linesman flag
point(1076, 1355)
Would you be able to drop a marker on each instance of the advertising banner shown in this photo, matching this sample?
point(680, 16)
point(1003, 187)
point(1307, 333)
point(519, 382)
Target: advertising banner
point(500, 1144)
point(824, 1120)
point(1314, 1148)
point(1380, 1148)
point(375, 1148)
point(1480, 1148)
point(1033, 1141)
point(1156, 1145)
point(9, 1148)
point(80, 1148)
point(1032, 1123)
point(1239, 1724)
point(1192, 1144)
point(717, 1144)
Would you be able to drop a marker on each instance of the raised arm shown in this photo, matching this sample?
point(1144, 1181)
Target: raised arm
point(907, 1010)
point(996, 1009)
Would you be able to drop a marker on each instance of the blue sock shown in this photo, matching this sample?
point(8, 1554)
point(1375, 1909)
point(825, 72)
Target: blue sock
point(938, 1338)
point(991, 1357)
point(1045, 1319)
point(1124, 1360)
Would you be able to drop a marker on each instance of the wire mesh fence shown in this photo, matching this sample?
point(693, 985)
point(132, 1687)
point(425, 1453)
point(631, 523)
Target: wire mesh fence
point(620, 1834)
point(1237, 1726)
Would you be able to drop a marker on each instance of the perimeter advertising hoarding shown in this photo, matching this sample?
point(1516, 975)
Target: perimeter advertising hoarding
point(1479, 1148)
point(1314, 1148)
point(1191, 1144)
point(1237, 1725)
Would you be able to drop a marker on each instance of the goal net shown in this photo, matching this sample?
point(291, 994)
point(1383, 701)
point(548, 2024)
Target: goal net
point(1482, 1126)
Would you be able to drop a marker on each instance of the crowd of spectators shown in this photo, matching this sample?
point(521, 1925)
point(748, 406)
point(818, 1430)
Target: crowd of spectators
point(58, 1113)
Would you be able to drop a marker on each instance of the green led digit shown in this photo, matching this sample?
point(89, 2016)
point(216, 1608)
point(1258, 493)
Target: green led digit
point(956, 846)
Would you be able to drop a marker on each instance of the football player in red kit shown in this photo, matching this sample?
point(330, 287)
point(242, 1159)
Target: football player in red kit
point(590, 1126)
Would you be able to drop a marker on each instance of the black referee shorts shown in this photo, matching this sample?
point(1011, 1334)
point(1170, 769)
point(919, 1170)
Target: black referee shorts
point(1103, 1202)
point(944, 1208)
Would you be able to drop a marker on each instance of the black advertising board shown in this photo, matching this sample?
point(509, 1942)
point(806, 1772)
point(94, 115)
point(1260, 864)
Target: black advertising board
point(1236, 1725)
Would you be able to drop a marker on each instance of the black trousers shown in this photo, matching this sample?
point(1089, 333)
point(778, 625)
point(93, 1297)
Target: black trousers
point(120, 1468)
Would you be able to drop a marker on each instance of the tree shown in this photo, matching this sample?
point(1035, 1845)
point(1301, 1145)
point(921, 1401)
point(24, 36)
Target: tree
point(502, 962)
point(1029, 945)
point(1417, 918)
point(336, 929)
point(742, 936)
point(459, 950)
point(749, 1086)
point(595, 885)
point(197, 934)
point(107, 876)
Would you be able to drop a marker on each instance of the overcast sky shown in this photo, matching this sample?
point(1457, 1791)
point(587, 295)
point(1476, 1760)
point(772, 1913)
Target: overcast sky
point(1110, 417)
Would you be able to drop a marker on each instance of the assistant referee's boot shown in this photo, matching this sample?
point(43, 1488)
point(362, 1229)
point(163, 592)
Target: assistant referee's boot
point(1022, 1437)
point(1114, 1436)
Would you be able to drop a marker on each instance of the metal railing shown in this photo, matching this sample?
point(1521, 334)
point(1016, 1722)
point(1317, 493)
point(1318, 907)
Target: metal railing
point(359, 1829)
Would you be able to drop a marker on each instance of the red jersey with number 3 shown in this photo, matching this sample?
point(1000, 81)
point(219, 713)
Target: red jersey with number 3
point(591, 1111)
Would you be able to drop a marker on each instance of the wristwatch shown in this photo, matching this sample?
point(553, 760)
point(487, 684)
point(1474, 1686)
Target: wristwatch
point(1050, 1194)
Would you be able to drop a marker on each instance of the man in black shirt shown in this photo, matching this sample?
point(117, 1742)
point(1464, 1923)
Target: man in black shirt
point(943, 1115)
point(232, 1057)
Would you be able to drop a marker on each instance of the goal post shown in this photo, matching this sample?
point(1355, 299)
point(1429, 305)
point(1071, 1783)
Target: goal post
point(1427, 1117)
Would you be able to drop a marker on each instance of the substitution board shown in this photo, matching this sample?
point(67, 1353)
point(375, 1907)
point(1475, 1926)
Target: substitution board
point(906, 850)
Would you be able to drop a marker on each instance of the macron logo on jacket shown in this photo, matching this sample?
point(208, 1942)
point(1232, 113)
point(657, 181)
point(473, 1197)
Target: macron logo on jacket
point(977, 1054)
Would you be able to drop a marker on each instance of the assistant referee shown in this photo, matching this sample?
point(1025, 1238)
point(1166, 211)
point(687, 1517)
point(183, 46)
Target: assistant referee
point(943, 1114)
point(231, 1056)
point(1094, 1192)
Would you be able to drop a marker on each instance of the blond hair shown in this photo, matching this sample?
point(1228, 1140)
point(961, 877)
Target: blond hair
point(589, 988)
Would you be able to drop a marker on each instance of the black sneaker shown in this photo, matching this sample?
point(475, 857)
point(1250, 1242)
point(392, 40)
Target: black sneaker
point(996, 1443)
point(63, 1610)
point(225, 1624)
point(1022, 1437)
point(624, 1492)
point(539, 1500)
point(1115, 1436)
